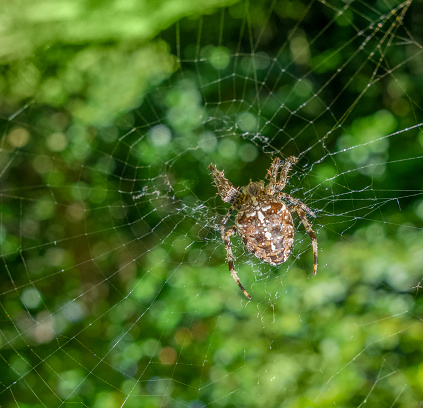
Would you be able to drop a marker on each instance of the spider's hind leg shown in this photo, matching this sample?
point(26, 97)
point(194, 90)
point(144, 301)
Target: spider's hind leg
point(310, 231)
point(227, 240)
point(296, 203)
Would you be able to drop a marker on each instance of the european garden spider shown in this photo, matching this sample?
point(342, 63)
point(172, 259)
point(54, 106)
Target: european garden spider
point(263, 222)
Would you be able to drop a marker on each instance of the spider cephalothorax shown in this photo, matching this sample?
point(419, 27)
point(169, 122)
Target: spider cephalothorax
point(264, 221)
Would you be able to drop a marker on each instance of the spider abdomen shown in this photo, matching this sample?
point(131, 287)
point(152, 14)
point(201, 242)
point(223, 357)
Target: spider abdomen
point(266, 227)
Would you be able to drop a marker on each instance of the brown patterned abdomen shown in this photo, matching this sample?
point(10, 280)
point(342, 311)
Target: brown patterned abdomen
point(266, 227)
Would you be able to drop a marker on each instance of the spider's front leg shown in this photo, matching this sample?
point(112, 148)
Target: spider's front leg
point(227, 192)
point(226, 236)
point(275, 184)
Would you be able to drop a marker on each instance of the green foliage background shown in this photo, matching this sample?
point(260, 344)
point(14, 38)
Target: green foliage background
point(109, 300)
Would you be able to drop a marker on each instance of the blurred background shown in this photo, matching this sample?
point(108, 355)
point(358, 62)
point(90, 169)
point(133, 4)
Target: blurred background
point(114, 287)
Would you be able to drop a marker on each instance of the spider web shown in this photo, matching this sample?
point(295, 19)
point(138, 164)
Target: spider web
point(115, 290)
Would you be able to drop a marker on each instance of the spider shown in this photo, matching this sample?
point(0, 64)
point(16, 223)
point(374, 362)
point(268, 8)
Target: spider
point(263, 221)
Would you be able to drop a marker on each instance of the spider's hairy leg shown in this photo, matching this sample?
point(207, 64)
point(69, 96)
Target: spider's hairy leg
point(227, 240)
point(224, 221)
point(272, 173)
point(310, 231)
point(297, 202)
point(283, 176)
point(225, 188)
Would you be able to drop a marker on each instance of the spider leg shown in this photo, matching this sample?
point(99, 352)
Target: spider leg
point(297, 203)
point(310, 231)
point(272, 173)
point(227, 240)
point(225, 220)
point(227, 192)
point(283, 175)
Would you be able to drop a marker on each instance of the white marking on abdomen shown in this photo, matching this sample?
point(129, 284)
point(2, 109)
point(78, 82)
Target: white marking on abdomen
point(260, 215)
